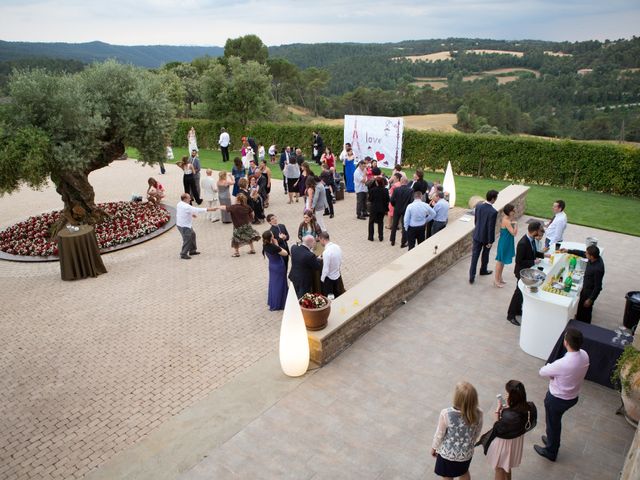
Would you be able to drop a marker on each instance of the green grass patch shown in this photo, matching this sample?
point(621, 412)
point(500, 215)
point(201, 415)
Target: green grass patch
point(592, 209)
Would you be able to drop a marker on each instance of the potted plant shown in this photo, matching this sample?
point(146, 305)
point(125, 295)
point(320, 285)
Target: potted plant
point(315, 310)
point(627, 372)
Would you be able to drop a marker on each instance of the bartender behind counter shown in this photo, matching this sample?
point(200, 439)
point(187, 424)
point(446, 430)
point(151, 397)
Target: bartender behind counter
point(592, 282)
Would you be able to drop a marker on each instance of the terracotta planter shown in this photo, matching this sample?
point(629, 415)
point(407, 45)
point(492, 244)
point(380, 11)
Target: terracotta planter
point(631, 400)
point(316, 318)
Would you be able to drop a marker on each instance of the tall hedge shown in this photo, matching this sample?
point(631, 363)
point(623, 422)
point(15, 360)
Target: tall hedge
point(599, 167)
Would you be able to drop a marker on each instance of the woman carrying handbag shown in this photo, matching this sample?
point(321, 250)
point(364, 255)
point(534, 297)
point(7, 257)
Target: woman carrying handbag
point(514, 417)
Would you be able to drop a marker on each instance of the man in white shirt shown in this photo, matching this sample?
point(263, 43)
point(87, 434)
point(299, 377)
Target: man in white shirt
point(224, 142)
point(360, 180)
point(557, 225)
point(185, 214)
point(331, 262)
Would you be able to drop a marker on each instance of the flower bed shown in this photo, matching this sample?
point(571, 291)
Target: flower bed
point(127, 221)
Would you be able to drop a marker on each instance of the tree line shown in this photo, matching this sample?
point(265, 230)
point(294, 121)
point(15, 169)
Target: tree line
point(253, 82)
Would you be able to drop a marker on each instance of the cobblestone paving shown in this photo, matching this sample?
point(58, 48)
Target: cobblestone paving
point(92, 366)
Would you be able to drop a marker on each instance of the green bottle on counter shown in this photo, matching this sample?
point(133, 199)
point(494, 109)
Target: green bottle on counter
point(567, 283)
point(572, 264)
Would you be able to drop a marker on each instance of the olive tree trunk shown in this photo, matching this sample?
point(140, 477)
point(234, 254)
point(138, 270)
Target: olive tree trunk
point(77, 193)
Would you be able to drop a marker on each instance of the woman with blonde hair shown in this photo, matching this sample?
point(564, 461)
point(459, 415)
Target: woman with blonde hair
point(458, 429)
point(225, 180)
point(155, 192)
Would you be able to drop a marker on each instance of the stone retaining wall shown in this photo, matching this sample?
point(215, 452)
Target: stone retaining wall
point(374, 298)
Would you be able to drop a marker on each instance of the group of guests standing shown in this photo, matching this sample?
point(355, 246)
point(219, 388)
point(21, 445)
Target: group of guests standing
point(538, 242)
point(459, 426)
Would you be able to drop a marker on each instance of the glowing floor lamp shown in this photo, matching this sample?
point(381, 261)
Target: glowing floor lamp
point(449, 185)
point(294, 344)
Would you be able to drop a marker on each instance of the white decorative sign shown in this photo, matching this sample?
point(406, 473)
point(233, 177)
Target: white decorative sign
point(377, 137)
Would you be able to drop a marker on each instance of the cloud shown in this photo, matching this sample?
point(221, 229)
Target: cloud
point(211, 22)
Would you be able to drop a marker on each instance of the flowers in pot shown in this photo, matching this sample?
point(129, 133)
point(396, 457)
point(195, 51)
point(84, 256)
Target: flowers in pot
point(315, 310)
point(627, 372)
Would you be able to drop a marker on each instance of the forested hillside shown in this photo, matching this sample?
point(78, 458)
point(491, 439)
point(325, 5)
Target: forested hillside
point(151, 56)
point(581, 90)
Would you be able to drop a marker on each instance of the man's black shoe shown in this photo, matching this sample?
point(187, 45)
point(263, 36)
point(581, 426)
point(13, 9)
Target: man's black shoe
point(404, 245)
point(543, 453)
point(393, 244)
point(471, 280)
point(513, 321)
point(194, 253)
point(361, 218)
point(185, 257)
point(488, 272)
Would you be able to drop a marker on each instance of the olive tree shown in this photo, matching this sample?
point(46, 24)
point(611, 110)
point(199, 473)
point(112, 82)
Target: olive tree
point(238, 92)
point(66, 126)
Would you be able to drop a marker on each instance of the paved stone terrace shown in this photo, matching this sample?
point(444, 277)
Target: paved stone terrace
point(91, 367)
point(372, 412)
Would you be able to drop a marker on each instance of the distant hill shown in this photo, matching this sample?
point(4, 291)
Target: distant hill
point(150, 56)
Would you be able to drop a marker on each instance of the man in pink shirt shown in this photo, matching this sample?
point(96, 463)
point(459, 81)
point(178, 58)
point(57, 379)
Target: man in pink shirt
point(566, 377)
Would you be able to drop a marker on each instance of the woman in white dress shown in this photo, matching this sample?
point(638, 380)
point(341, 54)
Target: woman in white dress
point(192, 140)
point(210, 195)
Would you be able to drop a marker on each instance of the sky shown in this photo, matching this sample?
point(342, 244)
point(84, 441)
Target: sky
point(278, 22)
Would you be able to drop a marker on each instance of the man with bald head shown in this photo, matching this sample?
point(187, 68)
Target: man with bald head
point(303, 265)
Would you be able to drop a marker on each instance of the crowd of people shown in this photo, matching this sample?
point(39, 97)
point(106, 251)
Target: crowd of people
point(419, 209)
point(241, 196)
point(538, 242)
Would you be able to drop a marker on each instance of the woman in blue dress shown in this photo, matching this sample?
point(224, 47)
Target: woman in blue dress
point(278, 289)
point(349, 169)
point(506, 245)
point(238, 171)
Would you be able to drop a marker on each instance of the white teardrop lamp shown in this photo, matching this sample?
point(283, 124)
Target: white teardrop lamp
point(294, 344)
point(449, 185)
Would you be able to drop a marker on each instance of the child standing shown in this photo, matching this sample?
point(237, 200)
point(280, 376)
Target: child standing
point(458, 429)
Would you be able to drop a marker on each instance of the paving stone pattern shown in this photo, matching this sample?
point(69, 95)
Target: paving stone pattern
point(91, 367)
point(371, 413)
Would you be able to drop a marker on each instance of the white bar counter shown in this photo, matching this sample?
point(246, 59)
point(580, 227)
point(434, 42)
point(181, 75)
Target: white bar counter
point(545, 314)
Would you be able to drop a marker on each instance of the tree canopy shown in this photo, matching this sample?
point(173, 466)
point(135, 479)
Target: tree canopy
point(249, 47)
point(64, 126)
point(239, 92)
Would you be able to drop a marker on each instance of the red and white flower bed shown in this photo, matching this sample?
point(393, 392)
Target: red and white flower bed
point(127, 221)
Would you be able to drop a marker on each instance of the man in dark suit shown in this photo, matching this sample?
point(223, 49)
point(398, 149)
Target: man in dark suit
point(402, 196)
point(483, 235)
point(526, 255)
point(592, 283)
point(303, 263)
point(284, 160)
point(281, 235)
point(317, 148)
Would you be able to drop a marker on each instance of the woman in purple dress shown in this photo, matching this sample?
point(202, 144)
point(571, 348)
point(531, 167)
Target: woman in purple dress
point(278, 288)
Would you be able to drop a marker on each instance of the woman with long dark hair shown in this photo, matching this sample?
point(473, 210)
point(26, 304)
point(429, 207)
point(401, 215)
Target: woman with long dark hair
point(277, 294)
point(189, 179)
point(514, 417)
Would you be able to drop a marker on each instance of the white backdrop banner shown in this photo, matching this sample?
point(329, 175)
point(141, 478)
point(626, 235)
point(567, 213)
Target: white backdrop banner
point(377, 137)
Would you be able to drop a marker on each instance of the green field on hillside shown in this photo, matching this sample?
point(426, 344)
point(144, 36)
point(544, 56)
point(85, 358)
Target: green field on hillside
point(592, 209)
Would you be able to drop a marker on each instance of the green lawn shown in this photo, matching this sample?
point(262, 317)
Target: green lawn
point(599, 210)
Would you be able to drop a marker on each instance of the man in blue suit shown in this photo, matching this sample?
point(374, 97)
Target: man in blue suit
point(483, 235)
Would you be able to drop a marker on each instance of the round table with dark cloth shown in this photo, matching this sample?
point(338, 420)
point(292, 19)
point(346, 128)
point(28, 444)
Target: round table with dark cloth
point(598, 343)
point(79, 254)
